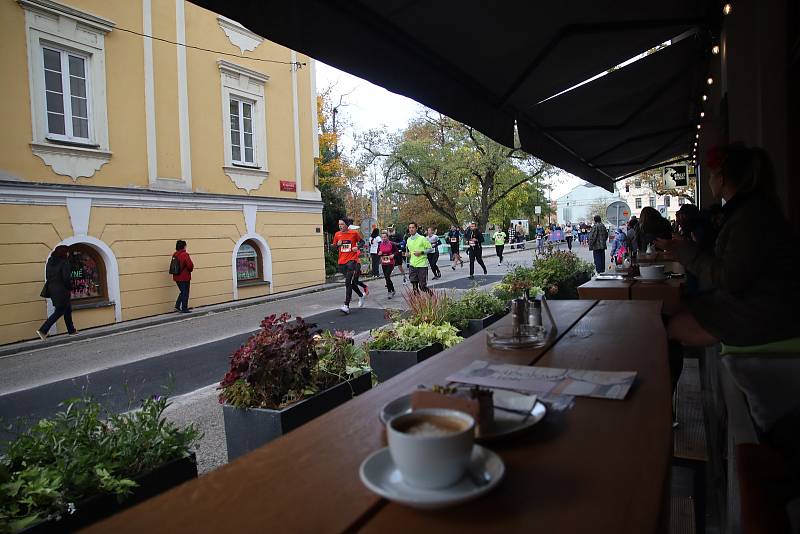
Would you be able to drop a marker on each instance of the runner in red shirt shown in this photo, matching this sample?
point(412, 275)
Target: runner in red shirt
point(349, 261)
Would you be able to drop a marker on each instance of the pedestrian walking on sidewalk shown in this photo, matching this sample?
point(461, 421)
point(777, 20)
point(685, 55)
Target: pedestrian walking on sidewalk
point(433, 255)
point(387, 251)
point(597, 244)
point(454, 240)
point(182, 275)
point(417, 247)
point(346, 241)
point(474, 239)
point(58, 288)
point(499, 238)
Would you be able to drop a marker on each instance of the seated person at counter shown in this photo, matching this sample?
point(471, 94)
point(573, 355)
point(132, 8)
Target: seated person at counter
point(753, 274)
point(652, 226)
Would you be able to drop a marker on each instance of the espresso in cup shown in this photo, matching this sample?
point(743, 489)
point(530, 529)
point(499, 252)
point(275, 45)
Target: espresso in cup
point(431, 447)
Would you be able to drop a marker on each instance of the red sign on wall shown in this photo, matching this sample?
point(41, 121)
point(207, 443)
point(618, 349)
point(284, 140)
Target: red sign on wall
point(286, 185)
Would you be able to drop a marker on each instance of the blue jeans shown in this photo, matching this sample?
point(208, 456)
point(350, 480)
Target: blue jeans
point(599, 260)
point(182, 303)
point(66, 312)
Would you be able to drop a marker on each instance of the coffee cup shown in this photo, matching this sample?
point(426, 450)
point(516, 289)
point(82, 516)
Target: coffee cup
point(431, 447)
point(653, 272)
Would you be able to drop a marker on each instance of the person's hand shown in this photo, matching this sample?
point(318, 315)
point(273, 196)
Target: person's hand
point(670, 245)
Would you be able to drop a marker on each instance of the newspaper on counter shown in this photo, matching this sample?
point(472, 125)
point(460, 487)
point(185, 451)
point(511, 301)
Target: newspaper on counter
point(547, 380)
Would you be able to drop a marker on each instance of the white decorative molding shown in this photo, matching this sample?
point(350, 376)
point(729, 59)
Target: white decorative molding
point(80, 209)
point(314, 118)
point(112, 272)
point(298, 178)
point(266, 260)
point(315, 195)
point(37, 194)
point(74, 162)
point(244, 178)
point(238, 35)
point(241, 75)
point(57, 10)
point(250, 211)
point(149, 94)
point(183, 93)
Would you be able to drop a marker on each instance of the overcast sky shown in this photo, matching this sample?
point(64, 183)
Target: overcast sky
point(370, 106)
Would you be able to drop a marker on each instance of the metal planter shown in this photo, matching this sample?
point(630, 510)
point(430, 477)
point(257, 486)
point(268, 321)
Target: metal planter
point(387, 363)
point(249, 428)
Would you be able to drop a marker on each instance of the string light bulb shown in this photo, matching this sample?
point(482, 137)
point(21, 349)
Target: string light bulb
point(710, 81)
point(702, 114)
point(699, 126)
point(705, 97)
point(697, 136)
point(715, 50)
point(727, 9)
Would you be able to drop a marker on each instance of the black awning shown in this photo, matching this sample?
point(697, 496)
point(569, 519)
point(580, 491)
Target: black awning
point(486, 64)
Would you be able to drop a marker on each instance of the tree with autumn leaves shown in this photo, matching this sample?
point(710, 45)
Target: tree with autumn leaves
point(460, 173)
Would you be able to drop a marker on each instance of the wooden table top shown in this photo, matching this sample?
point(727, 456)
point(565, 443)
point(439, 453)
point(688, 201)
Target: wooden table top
point(600, 467)
point(596, 289)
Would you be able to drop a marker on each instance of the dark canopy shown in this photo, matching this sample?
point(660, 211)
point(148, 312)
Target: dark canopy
point(489, 64)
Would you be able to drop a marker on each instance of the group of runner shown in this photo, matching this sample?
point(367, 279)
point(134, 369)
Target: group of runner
point(388, 249)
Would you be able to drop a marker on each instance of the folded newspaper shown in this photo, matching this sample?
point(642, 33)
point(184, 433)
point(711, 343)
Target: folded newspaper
point(547, 380)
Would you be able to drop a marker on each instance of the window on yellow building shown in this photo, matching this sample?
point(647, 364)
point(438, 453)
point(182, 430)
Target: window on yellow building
point(88, 275)
point(638, 203)
point(249, 265)
point(242, 150)
point(66, 98)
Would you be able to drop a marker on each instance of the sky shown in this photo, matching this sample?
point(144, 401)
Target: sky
point(370, 106)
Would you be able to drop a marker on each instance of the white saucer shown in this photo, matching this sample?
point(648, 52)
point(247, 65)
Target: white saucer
point(505, 423)
point(651, 280)
point(379, 474)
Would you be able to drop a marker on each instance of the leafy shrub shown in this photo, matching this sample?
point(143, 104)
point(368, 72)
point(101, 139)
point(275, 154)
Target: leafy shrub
point(473, 304)
point(405, 335)
point(288, 360)
point(426, 307)
point(331, 262)
point(555, 273)
point(79, 453)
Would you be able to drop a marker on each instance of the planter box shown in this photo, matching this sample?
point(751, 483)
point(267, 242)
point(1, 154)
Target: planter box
point(250, 428)
point(476, 325)
point(99, 507)
point(387, 363)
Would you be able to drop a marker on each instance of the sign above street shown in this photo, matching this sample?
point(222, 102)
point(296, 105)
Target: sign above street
point(537, 210)
point(675, 176)
point(618, 213)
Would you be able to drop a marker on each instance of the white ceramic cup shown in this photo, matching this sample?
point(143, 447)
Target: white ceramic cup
point(431, 461)
point(651, 271)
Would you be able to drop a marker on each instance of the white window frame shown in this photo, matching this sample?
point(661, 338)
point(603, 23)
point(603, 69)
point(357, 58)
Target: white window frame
point(52, 25)
point(638, 203)
point(244, 84)
point(242, 154)
point(66, 89)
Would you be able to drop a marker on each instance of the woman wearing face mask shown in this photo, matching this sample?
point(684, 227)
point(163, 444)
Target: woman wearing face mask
point(751, 302)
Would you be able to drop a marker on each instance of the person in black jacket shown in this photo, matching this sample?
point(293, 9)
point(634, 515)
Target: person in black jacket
point(474, 239)
point(58, 287)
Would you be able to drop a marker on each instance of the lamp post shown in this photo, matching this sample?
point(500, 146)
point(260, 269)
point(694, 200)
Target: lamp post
point(360, 185)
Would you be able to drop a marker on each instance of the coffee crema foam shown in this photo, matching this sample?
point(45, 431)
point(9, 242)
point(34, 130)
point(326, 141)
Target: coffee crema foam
point(432, 426)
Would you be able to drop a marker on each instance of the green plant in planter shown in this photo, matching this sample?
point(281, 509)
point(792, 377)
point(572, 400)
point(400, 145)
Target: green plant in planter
point(473, 304)
point(340, 359)
point(407, 336)
point(555, 273)
point(288, 360)
point(424, 307)
point(78, 453)
point(515, 283)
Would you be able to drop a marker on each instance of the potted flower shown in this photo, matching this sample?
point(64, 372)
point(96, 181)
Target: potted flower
point(395, 349)
point(474, 311)
point(83, 465)
point(285, 375)
point(556, 274)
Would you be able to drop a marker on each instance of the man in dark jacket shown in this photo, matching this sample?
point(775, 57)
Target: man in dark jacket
point(597, 244)
point(184, 277)
point(58, 288)
point(474, 239)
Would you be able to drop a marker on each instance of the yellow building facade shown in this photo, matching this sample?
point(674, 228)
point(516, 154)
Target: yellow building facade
point(118, 140)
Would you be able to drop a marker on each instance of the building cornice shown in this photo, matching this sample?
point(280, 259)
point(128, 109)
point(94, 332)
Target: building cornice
point(48, 6)
point(229, 67)
point(41, 194)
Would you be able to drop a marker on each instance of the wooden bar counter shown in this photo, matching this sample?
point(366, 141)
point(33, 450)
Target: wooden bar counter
point(600, 467)
point(596, 289)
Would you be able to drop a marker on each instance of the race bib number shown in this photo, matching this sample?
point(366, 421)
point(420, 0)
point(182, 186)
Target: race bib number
point(386, 260)
point(454, 240)
point(345, 247)
point(472, 242)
